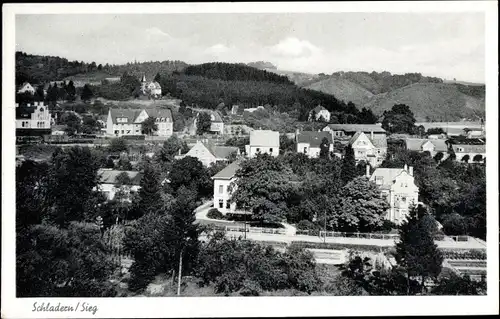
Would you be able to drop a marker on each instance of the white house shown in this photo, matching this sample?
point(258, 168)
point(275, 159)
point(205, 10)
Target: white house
point(222, 192)
point(216, 122)
point(253, 109)
point(320, 112)
point(152, 88)
point(36, 116)
point(208, 154)
point(128, 122)
point(309, 142)
point(109, 183)
point(340, 130)
point(433, 146)
point(263, 142)
point(26, 88)
point(474, 133)
point(397, 185)
point(369, 148)
point(469, 153)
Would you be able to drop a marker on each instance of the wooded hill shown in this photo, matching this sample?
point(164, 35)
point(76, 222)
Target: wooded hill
point(429, 98)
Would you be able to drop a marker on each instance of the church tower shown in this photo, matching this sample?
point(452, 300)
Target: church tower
point(143, 84)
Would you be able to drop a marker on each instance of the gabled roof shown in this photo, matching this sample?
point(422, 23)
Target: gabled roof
point(220, 151)
point(388, 176)
point(228, 172)
point(415, 144)
point(160, 113)
point(109, 176)
point(264, 138)
point(319, 108)
point(132, 114)
point(155, 85)
point(378, 141)
point(314, 139)
point(129, 114)
point(467, 148)
point(367, 128)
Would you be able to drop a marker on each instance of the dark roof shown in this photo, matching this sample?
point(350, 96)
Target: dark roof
point(221, 151)
point(366, 128)
point(24, 112)
point(228, 172)
point(108, 176)
point(319, 108)
point(132, 114)
point(314, 139)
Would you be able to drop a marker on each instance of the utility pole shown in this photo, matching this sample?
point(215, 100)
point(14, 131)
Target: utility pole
point(245, 226)
point(180, 274)
point(324, 234)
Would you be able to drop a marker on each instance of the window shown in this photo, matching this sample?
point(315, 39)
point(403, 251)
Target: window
point(270, 150)
point(258, 149)
point(221, 203)
point(123, 131)
point(403, 199)
point(22, 123)
point(137, 131)
point(228, 205)
point(221, 189)
point(305, 150)
point(116, 132)
point(128, 131)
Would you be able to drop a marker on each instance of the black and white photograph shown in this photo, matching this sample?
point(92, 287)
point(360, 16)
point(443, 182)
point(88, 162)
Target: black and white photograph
point(249, 152)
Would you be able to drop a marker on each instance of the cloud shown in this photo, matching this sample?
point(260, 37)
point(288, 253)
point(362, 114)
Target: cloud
point(155, 32)
point(217, 49)
point(294, 48)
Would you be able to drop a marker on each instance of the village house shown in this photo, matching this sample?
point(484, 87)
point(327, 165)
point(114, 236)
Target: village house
point(222, 192)
point(26, 88)
point(369, 148)
point(216, 122)
point(397, 186)
point(469, 153)
point(209, 154)
point(433, 146)
point(253, 109)
point(309, 142)
point(34, 117)
point(348, 130)
point(128, 122)
point(319, 113)
point(152, 88)
point(110, 184)
point(59, 129)
point(474, 132)
point(263, 142)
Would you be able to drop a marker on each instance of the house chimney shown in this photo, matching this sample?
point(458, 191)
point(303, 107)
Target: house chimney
point(367, 170)
point(411, 170)
point(405, 167)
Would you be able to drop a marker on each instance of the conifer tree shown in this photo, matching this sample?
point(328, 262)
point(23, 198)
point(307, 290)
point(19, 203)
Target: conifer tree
point(416, 251)
point(324, 147)
point(348, 165)
point(149, 193)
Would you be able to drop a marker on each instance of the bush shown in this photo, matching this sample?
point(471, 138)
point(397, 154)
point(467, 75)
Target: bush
point(250, 288)
point(306, 225)
point(214, 213)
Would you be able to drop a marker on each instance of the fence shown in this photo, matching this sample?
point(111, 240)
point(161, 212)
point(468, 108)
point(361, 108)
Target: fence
point(261, 230)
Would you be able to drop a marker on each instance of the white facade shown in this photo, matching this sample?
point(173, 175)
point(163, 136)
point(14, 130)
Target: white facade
point(110, 190)
point(217, 127)
point(365, 150)
point(263, 142)
point(399, 189)
point(35, 116)
point(323, 113)
point(222, 195)
point(200, 152)
point(312, 152)
point(131, 124)
point(273, 151)
point(27, 88)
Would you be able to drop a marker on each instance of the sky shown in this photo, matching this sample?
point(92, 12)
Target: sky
point(447, 45)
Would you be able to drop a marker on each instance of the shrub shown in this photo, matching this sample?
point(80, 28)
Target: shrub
point(214, 213)
point(250, 288)
point(306, 225)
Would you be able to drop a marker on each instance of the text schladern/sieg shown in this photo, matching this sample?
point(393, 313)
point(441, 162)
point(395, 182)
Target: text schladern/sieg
point(48, 307)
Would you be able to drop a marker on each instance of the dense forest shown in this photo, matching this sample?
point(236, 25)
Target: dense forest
point(38, 69)
point(210, 84)
point(234, 72)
